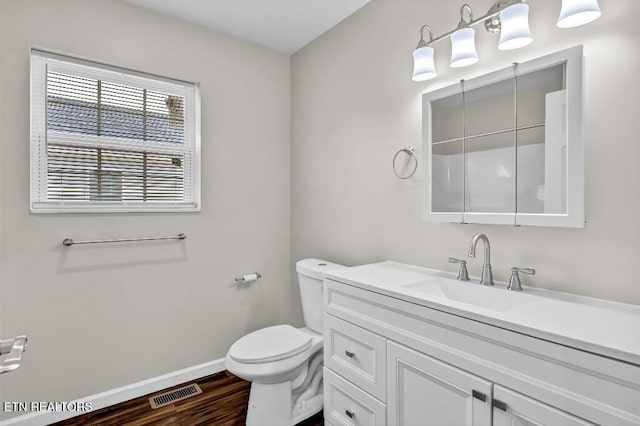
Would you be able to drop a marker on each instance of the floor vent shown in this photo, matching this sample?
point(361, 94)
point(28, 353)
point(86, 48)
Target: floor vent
point(175, 395)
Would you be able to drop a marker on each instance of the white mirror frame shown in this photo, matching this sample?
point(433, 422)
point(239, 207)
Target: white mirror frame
point(574, 217)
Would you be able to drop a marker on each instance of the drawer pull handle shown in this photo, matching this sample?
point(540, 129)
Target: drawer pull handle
point(499, 405)
point(349, 354)
point(350, 413)
point(479, 395)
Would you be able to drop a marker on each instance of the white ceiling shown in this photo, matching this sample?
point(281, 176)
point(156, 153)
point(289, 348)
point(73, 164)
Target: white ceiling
point(282, 25)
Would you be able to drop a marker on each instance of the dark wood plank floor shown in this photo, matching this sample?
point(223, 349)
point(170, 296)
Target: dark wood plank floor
point(223, 402)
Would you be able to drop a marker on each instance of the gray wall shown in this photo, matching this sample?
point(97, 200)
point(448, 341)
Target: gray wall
point(354, 105)
point(99, 317)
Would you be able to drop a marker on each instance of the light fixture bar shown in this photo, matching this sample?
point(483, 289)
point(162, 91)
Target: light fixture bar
point(489, 15)
point(508, 18)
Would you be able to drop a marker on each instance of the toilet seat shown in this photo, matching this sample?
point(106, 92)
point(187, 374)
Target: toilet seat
point(270, 344)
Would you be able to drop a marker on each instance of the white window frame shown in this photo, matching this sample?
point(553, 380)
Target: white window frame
point(41, 63)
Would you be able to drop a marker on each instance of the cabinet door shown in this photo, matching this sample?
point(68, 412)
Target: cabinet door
point(513, 409)
point(427, 392)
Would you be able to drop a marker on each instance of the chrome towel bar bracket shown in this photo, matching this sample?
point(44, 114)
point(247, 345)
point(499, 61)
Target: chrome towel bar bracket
point(69, 242)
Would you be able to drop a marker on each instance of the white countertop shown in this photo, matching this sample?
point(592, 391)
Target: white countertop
point(606, 328)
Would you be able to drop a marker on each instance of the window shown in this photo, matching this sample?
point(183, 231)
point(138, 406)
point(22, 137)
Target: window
point(105, 139)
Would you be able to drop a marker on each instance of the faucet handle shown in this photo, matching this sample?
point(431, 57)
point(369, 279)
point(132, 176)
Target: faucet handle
point(514, 282)
point(463, 275)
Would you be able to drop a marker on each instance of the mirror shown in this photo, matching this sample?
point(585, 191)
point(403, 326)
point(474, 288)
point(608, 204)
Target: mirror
point(506, 147)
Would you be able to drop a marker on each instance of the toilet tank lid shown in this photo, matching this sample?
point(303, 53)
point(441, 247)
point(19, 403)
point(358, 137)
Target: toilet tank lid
point(315, 268)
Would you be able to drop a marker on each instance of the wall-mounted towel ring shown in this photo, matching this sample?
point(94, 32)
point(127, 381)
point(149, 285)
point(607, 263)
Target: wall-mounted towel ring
point(412, 158)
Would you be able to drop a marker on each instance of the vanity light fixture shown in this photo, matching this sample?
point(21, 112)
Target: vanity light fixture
point(578, 12)
point(424, 68)
point(509, 18)
point(514, 32)
point(463, 41)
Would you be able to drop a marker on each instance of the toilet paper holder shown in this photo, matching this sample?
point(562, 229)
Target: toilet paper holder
point(248, 278)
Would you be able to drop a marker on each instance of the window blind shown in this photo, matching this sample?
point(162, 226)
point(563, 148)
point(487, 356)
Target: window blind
point(107, 139)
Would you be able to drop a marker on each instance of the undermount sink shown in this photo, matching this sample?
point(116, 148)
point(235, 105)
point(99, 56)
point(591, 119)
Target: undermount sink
point(594, 325)
point(496, 299)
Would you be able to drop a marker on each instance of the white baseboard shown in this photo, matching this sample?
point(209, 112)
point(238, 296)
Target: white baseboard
point(122, 394)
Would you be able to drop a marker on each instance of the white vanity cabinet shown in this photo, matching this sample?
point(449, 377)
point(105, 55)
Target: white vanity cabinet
point(512, 409)
point(346, 404)
point(357, 355)
point(425, 391)
point(390, 361)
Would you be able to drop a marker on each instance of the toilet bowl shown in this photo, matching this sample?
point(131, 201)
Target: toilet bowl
point(284, 363)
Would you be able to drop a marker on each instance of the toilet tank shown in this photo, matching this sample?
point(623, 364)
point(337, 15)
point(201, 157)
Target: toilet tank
point(310, 275)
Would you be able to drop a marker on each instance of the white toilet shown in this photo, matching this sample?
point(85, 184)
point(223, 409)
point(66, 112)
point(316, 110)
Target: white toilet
point(284, 363)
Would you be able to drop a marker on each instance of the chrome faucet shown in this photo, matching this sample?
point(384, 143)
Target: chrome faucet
point(463, 275)
point(487, 276)
point(514, 282)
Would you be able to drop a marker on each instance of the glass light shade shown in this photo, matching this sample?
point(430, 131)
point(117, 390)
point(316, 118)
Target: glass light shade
point(463, 47)
point(578, 12)
point(423, 66)
point(514, 31)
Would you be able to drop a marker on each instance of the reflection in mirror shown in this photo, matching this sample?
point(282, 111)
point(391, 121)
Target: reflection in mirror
point(542, 141)
point(446, 155)
point(490, 173)
point(489, 108)
point(447, 119)
point(447, 162)
point(555, 154)
point(531, 167)
point(532, 90)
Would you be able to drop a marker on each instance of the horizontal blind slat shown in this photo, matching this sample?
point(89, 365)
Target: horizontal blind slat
point(93, 174)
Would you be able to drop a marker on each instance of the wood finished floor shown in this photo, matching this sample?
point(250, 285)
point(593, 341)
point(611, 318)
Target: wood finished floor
point(223, 402)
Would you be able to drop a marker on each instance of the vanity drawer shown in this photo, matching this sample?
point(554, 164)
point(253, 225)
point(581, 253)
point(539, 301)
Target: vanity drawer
point(345, 404)
point(356, 354)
